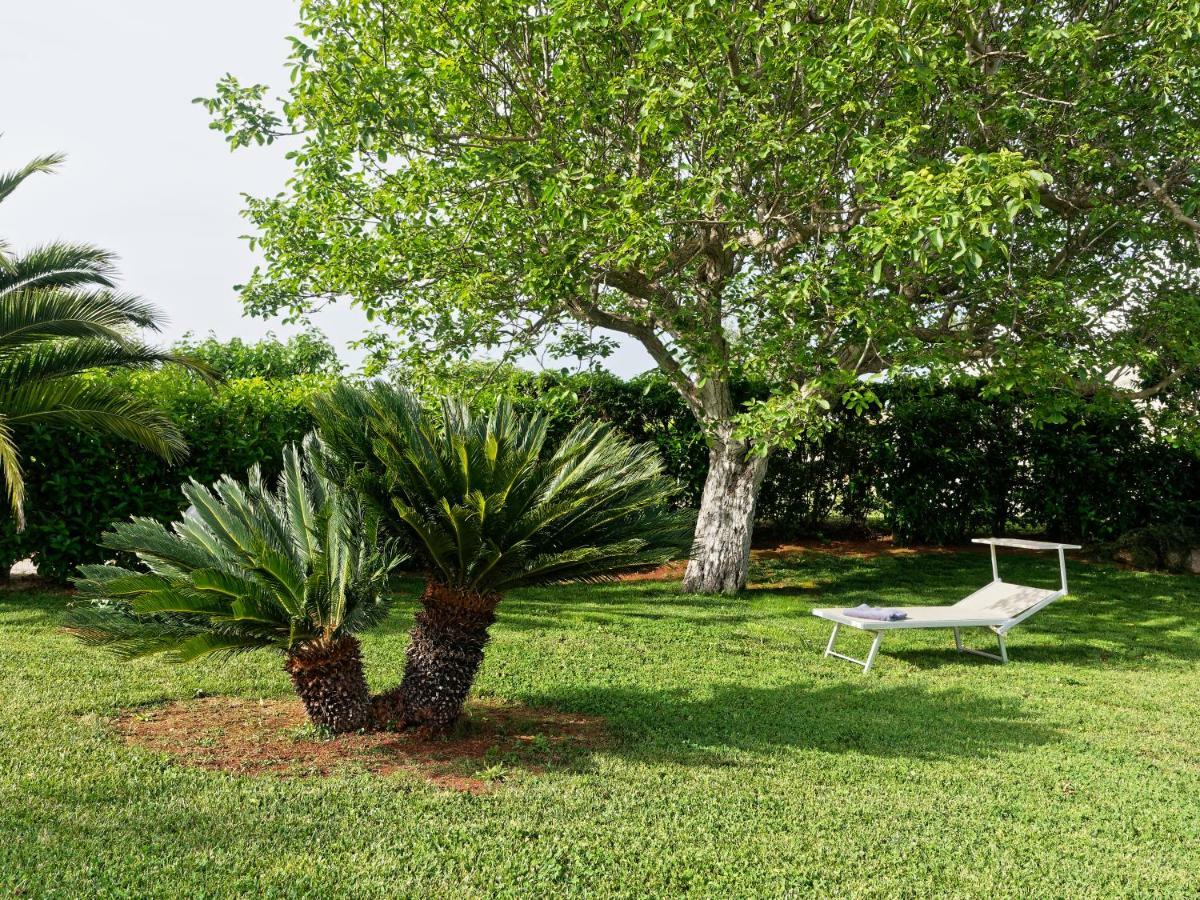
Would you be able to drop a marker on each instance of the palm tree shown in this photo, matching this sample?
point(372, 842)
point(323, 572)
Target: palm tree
point(60, 318)
point(298, 569)
point(487, 504)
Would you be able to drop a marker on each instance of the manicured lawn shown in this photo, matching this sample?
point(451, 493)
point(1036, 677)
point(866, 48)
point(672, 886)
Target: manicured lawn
point(740, 762)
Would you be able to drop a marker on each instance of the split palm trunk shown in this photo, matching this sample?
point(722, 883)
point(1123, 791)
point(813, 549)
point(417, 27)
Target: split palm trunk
point(445, 650)
point(329, 679)
point(721, 551)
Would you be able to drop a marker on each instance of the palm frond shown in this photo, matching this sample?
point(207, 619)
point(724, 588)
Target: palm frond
point(239, 572)
point(31, 315)
point(488, 504)
point(58, 265)
point(14, 476)
point(96, 406)
point(60, 319)
point(10, 181)
point(62, 359)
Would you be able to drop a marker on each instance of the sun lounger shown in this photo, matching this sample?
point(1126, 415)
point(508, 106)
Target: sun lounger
point(998, 606)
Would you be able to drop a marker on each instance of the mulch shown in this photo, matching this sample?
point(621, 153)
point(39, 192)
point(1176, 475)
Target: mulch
point(272, 738)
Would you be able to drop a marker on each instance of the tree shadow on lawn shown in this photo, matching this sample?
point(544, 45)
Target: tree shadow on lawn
point(41, 607)
point(607, 604)
point(1109, 611)
point(1111, 614)
point(906, 721)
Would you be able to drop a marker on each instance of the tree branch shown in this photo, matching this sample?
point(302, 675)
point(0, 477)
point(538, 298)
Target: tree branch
point(654, 345)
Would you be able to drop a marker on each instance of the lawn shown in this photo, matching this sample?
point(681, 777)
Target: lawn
point(738, 760)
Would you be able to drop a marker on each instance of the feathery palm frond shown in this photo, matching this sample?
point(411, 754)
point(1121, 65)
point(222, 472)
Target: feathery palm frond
point(247, 567)
point(37, 314)
point(489, 505)
point(57, 265)
point(95, 405)
point(10, 181)
point(59, 319)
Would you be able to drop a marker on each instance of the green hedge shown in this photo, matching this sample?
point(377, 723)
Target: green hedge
point(936, 465)
point(939, 464)
point(78, 484)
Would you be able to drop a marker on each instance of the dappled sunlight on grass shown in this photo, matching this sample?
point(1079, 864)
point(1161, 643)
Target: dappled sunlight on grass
point(732, 747)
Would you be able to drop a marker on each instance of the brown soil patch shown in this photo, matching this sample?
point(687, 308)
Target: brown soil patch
point(29, 584)
point(272, 737)
point(666, 572)
point(864, 548)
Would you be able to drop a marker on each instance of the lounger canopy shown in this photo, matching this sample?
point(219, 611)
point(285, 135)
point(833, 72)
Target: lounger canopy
point(997, 606)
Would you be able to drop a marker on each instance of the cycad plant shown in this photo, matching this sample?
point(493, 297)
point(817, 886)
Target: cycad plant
point(59, 318)
point(487, 504)
point(298, 569)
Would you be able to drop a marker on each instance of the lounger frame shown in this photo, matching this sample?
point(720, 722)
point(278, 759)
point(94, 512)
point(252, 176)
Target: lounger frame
point(1031, 600)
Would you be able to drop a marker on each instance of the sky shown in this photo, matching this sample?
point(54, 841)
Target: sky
point(110, 85)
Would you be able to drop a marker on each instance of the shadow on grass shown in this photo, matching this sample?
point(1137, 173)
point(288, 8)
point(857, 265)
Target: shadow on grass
point(34, 607)
point(605, 604)
point(903, 721)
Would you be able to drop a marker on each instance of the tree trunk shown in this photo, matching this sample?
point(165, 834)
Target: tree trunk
point(721, 551)
point(329, 679)
point(445, 650)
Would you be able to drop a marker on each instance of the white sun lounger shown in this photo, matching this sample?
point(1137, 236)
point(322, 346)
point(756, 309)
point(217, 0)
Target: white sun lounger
point(999, 606)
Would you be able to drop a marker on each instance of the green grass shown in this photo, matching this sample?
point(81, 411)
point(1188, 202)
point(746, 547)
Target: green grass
point(741, 762)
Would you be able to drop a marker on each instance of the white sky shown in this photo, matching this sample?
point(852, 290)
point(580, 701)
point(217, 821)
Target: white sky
point(111, 84)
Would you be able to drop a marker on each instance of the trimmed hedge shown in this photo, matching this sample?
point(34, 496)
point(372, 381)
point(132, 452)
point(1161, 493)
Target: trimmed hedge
point(78, 484)
point(938, 465)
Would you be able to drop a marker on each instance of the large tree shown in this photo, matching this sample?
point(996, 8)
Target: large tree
point(802, 195)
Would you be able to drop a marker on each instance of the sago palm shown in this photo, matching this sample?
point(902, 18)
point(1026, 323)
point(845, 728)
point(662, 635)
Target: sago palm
point(487, 504)
point(297, 568)
point(60, 318)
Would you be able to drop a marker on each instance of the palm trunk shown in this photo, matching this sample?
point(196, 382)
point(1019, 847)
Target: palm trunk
point(329, 679)
point(445, 650)
point(721, 551)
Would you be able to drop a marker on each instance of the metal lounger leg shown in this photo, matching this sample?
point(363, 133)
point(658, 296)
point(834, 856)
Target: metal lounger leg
point(868, 662)
point(874, 649)
point(1001, 658)
point(832, 638)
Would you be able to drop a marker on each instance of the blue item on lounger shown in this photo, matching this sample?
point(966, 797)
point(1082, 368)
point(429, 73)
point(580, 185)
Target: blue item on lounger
point(876, 613)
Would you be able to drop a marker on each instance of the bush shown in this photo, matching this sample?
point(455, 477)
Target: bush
point(1103, 474)
point(1175, 548)
point(306, 353)
point(938, 464)
point(79, 483)
point(947, 460)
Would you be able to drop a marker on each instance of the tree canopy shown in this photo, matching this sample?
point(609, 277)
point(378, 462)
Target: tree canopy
point(806, 194)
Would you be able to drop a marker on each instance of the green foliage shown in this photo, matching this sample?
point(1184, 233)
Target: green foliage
point(792, 193)
point(79, 483)
point(248, 567)
point(1174, 548)
point(488, 503)
point(939, 463)
point(60, 318)
point(306, 353)
point(947, 461)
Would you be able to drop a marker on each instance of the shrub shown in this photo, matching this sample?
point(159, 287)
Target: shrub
point(306, 353)
point(296, 568)
point(1175, 548)
point(79, 484)
point(489, 503)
